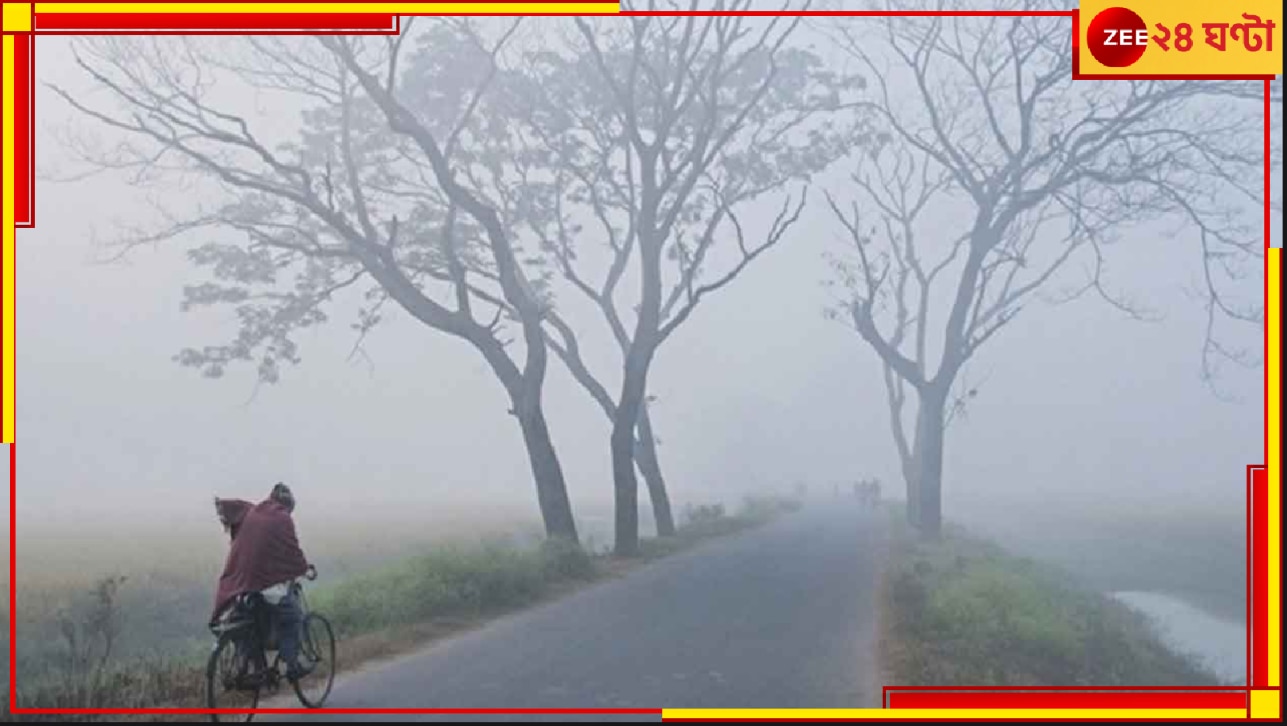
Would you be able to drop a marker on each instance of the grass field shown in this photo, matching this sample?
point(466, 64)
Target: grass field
point(1195, 554)
point(98, 642)
point(964, 611)
point(164, 602)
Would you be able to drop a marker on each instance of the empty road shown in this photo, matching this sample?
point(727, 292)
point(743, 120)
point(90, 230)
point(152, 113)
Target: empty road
point(783, 616)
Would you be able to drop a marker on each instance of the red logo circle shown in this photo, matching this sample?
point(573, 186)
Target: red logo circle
point(1117, 37)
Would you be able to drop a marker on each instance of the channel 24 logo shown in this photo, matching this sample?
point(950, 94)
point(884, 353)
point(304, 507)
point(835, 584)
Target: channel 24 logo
point(1118, 37)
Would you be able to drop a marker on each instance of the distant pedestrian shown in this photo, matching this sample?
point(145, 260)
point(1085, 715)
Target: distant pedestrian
point(801, 491)
point(867, 492)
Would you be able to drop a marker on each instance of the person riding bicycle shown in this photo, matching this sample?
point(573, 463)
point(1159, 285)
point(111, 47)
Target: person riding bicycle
point(265, 557)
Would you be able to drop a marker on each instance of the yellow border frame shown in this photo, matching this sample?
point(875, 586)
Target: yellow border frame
point(1265, 704)
point(10, 233)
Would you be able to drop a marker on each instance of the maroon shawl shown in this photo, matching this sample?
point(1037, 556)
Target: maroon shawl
point(265, 550)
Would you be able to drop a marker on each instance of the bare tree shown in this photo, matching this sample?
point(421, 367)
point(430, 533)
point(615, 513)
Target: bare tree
point(657, 134)
point(366, 194)
point(983, 124)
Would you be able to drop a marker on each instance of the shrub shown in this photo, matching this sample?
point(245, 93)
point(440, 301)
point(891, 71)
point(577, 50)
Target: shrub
point(762, 508)
point(565, 560)
point(703, 514)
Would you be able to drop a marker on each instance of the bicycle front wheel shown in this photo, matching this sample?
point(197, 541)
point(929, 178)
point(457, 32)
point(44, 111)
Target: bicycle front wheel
point(230, 681)
point(317, 653)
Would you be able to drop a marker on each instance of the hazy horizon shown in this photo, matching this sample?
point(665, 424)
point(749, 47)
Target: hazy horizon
point(1078, 404)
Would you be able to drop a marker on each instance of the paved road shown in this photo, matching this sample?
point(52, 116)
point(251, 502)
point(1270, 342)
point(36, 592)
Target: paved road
point(783, 616)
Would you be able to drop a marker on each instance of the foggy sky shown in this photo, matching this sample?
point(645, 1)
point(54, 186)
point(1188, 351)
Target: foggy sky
point(757, 391)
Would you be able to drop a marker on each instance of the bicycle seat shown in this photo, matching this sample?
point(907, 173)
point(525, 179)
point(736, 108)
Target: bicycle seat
point(245, 609)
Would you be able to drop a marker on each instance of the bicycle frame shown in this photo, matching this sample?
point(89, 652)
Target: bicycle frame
point(254, 637)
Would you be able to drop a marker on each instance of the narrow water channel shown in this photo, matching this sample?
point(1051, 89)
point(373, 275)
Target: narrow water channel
point(1219, 644)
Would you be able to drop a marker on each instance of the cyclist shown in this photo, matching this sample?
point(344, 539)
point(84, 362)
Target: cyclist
point(265, 557)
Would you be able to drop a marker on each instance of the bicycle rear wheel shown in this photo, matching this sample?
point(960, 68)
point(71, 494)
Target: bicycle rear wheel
point(317, 651)
point(230, 682)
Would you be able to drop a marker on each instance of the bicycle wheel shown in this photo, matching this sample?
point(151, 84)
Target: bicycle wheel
point(317, 651)
point(230, 681)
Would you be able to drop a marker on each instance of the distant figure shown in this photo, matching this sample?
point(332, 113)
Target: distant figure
point(867, 492)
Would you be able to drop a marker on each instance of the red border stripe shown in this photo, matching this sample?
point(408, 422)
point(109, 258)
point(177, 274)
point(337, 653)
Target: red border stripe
point(1249, 597)
point(1180, 699)
point(24, 214)
point(1260, 585)
point(213, 21)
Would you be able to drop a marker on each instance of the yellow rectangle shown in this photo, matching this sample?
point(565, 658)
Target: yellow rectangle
point(17, 17)
point(1266, 704)
point(1164, 20)
point(402, 8)
point(7, 240)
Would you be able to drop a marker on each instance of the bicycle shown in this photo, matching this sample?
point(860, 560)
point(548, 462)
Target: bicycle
point(238, 670)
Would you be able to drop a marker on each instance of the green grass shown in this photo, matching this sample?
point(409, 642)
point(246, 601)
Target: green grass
point(164, 605)
point(962, 611)
point(1196, 555)
point(451, 582)
point(376, 613)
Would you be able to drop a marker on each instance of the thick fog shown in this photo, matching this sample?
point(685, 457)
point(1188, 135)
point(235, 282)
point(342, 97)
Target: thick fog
point(1078, 404)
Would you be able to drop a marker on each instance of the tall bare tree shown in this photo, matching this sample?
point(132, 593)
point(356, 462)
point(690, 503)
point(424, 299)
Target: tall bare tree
point(1040, 175)
point(658, 134)
point(367, 193)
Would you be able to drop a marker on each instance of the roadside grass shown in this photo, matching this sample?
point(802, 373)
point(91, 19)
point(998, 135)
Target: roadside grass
point(376, 614)
point(962, 611)
point(1192, 552)
point(451, 582)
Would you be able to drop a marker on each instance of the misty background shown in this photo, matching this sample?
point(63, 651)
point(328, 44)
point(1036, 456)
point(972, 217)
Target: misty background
point(1093, 441)
point(1079, 407)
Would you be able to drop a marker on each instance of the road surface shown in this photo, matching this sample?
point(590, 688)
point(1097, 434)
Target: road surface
point(783, 616)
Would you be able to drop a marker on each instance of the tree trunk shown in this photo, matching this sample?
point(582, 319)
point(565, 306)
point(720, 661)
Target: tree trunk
point(638, 358)
point(625, 483)
point(625, 489)
point(929, 461)
point(650, 467)
point(911, 480)
point(551, 490)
